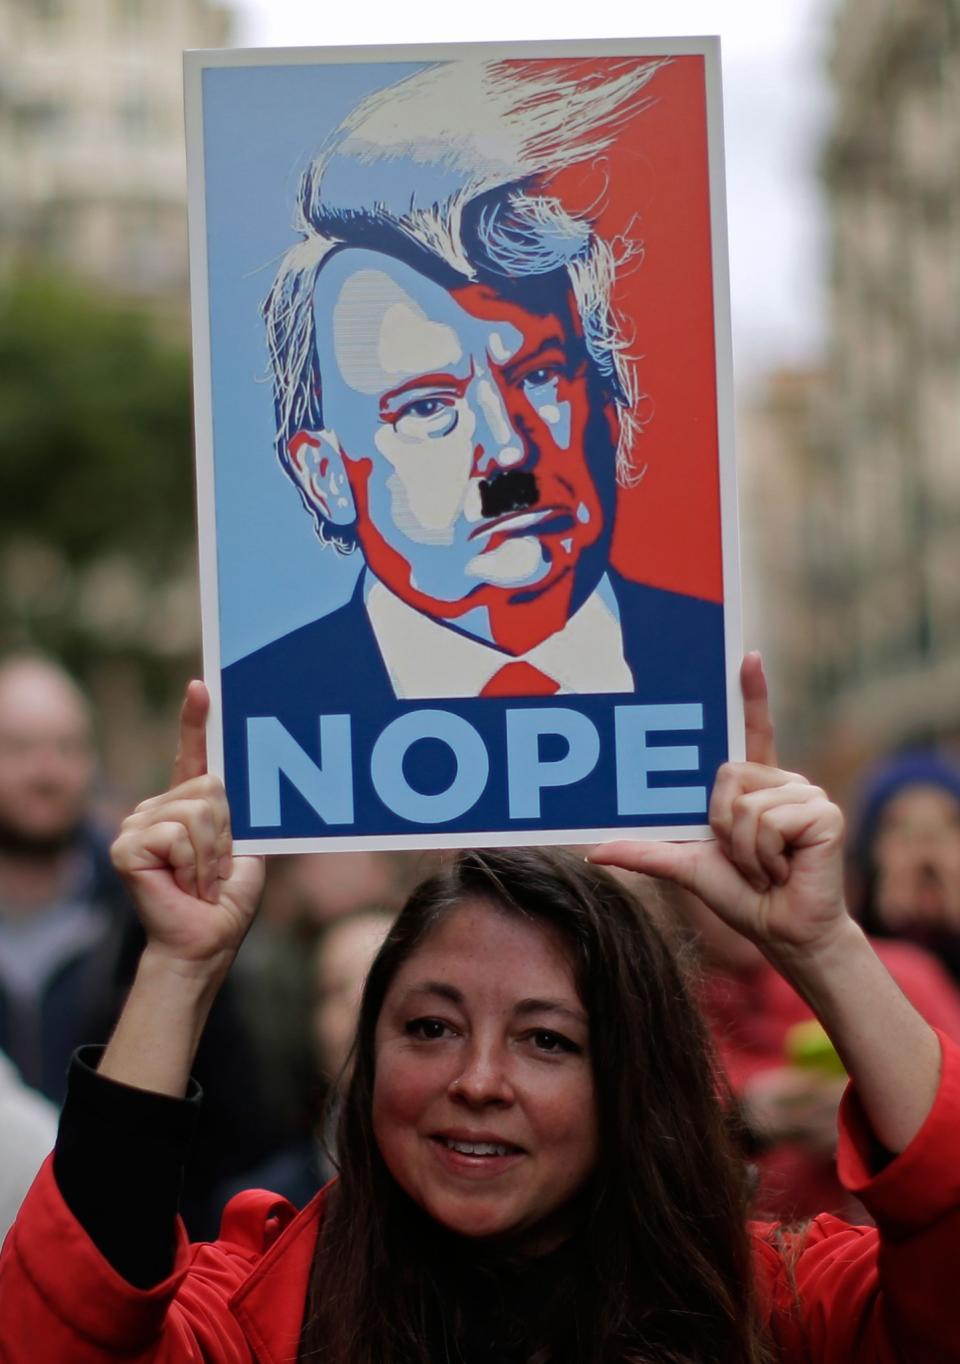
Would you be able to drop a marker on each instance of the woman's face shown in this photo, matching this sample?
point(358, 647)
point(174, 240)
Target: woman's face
point(483, 1106)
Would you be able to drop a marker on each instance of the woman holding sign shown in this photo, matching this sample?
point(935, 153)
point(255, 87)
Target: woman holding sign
point(535, 1165)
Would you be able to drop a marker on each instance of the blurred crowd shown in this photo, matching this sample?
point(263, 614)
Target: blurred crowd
point(278, 1044)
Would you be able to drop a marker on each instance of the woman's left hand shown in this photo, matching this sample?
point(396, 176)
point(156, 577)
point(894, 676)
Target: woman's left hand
point(775, 871)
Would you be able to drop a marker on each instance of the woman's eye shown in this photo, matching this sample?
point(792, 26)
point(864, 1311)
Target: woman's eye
point(427, 1029)
point(544, 1040)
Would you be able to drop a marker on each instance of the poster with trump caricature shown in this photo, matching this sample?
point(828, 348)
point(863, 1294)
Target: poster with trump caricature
point(464, 430)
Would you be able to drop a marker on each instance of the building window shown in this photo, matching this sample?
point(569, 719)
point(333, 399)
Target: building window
point(47, 10)
point(42, 119)
point(130, 13)
point(137, 118)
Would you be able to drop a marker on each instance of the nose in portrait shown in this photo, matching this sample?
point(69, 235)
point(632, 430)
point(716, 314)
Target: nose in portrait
point(502, 448)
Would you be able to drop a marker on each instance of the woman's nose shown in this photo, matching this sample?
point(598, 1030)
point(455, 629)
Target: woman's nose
point(483, 1079)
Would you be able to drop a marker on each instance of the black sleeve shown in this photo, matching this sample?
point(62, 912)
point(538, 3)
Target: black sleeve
point(119, 1165)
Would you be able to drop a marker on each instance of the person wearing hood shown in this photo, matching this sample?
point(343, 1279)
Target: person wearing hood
point(905, 853)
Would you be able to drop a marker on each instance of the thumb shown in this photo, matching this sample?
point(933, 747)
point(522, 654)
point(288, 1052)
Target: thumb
point(761, 744)
point(191, 759)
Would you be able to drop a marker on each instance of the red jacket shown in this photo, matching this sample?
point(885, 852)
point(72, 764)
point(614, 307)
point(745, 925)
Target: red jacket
point(859, 1296)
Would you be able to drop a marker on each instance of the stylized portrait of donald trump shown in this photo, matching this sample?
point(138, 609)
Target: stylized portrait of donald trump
point(455, 404)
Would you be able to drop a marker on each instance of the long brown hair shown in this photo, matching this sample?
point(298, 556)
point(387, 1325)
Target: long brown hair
point(665, 1271)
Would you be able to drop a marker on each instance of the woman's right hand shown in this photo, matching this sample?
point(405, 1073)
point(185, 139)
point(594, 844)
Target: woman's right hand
point(194, 898)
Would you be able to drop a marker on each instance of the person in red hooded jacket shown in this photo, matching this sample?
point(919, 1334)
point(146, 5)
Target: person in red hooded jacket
point(535, 1164)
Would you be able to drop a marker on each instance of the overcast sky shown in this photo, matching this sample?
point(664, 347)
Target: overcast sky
point(776, 106)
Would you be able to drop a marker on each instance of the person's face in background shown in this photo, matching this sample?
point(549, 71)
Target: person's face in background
point(317, 890)
point(480, 469)
point(46, 757)
point(916, 858)
point(342, 960)
point(484, 1104)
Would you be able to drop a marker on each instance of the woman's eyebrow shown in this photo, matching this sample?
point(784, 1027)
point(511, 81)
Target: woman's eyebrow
point(553, 1006)
point(521, 1009)
point(435, 987)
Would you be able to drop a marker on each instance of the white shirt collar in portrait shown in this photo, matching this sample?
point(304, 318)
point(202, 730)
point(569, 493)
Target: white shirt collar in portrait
point(426, 660)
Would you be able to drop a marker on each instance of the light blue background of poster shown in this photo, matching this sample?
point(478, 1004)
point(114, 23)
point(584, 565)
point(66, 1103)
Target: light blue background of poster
point(261, 126)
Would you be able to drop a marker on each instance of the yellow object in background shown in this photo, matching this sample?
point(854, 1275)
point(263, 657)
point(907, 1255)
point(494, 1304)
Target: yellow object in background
point(808, 1046)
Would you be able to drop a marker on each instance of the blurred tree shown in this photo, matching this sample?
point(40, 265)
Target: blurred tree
point(94, 426)
point(96, 489)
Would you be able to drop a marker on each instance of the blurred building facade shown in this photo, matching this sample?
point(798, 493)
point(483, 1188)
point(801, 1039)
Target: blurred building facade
point(861, 600)
point(93, 199)
point(91, 137)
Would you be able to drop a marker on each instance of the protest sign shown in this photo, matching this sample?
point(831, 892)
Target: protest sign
point(464, 438)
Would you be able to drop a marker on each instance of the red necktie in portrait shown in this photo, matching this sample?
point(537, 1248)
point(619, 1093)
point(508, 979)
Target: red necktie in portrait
point(520, 679)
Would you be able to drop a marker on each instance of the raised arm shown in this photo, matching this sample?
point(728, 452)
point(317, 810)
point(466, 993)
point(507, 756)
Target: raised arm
point(195, 901)
point(775, 873)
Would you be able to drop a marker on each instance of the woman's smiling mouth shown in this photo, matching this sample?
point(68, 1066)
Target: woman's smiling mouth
point(479, 1148)
point(472, 1156)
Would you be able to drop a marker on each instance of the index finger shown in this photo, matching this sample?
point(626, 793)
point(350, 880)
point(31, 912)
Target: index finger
point(761, 744)
point(191, 759)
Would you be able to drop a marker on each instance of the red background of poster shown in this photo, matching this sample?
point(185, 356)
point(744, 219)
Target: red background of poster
point(655, 186)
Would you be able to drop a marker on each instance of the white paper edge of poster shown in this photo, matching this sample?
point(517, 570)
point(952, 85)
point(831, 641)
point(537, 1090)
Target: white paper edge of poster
point(726, 424)
point(194, 64)
point(203, 404)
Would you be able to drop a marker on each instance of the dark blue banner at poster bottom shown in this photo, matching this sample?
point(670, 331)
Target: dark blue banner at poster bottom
point(466, 767)
point(303, 769)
